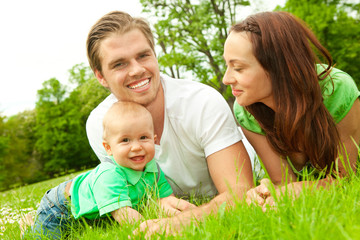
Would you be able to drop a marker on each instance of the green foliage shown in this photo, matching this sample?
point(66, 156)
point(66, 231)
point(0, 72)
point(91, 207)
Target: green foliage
point(16, 147)
point(51, 139)
point(191, 35)
point(336, 24)
point(61, 137)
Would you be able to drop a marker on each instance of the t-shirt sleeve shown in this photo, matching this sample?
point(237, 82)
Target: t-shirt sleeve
point(111, 192)
point(163, 186)
point(340, 94)
point(215, 124)
point(246, 120)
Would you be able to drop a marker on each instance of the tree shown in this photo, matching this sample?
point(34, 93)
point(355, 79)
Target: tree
point(61, 117)
point(191, 35)
point(18, 166)
point(51, 139)
point(51, 127)
point(89, 92)
point(82, 100)
point(336, 24)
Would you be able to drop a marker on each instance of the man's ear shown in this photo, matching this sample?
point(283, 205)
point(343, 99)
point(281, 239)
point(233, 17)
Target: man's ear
point(107, 148)
point(101, 79)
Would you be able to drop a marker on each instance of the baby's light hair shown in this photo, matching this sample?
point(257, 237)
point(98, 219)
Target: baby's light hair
point(122, 111)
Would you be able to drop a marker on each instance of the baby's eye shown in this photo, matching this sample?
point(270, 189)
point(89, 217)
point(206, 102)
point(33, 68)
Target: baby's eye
point(143, 137)
point(125, 140)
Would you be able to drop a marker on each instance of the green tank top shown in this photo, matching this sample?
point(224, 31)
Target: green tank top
point(338, 99)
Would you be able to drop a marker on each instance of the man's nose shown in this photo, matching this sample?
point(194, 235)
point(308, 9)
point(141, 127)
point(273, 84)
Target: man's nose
point(136, 68)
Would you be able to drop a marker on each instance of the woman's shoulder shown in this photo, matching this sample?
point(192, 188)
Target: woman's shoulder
point(339, 92)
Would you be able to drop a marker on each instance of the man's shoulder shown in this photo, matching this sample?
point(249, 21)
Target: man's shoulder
point(184, 98)
point(189, 92)
point(99, 112)
point(105, 104)
point(174, 84)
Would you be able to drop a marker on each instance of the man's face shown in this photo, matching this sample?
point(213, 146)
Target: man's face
point(129, 67)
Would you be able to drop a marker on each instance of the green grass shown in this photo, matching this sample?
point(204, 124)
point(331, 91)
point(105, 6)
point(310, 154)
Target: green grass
point(321, 214)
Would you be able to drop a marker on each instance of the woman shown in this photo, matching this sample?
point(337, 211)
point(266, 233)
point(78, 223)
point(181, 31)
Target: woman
point(296, 112)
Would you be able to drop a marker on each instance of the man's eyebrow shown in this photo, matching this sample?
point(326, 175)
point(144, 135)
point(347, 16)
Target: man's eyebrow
point(114, 62)
point(145, 51)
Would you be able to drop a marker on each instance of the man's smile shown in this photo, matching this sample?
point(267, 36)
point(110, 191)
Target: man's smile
point(139, 84)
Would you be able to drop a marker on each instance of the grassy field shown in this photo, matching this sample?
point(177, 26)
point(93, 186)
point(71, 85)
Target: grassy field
point(324, 214)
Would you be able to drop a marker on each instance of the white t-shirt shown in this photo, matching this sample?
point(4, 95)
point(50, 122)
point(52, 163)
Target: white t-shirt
point(198, 122)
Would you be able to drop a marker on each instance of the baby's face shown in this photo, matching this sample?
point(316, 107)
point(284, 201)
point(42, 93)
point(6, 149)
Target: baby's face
point(132, 142)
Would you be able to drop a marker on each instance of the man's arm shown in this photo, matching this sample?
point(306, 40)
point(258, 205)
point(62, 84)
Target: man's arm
point(231, 172)
point(173, 205)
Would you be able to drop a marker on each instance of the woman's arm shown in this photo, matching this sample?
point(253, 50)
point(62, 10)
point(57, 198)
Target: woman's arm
point(278, 168)
point(349, 131)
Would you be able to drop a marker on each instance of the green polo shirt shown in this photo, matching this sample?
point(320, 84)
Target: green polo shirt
point(338, 99)
point(109, 186)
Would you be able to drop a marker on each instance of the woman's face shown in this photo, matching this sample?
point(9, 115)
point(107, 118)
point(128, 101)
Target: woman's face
point(248, 80)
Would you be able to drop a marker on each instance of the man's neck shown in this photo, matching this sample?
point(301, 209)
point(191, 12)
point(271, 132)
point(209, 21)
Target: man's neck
point(157, 109)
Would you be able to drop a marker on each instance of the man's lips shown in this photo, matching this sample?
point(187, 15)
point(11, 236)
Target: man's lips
point(139, 84)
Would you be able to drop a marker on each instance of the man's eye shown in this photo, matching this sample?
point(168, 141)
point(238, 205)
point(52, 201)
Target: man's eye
point(126, 140)
point(144, 55)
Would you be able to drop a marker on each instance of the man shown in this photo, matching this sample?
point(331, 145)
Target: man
point(199, 147)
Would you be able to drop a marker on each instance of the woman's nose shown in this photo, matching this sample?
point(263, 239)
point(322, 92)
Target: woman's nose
point(227, 78)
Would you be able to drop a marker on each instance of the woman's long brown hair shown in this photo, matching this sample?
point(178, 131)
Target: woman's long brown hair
point(285, 48)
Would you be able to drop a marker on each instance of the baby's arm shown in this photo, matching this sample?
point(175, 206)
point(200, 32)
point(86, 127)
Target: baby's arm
point(126, 214)
point(173, 205)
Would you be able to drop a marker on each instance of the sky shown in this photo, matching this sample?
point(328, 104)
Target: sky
point(44, 39)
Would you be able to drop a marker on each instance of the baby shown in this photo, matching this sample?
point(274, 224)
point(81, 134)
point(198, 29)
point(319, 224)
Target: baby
point(115, 187)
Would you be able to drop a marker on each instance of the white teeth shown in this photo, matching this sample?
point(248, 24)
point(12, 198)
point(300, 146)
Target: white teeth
point(140, 84)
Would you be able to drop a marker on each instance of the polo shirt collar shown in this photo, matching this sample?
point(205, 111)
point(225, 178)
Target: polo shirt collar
point(134, 176)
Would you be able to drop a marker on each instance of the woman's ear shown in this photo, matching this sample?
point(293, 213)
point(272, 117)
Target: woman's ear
point(107, 148)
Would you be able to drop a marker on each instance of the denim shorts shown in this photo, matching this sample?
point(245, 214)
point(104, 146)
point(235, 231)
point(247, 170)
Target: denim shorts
point(53, 215)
